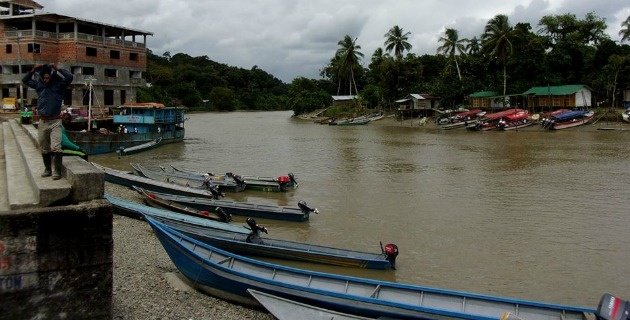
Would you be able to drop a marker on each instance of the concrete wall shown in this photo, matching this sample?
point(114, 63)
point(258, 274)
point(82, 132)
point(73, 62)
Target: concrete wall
point(56, 262)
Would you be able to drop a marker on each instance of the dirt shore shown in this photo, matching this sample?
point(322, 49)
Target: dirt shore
point(141, 269)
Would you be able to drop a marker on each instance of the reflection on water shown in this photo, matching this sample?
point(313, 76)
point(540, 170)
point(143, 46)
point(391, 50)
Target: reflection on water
point(530, 214)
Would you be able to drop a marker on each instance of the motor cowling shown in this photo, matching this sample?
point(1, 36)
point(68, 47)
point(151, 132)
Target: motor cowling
point(226, 217)
point(305, 208)
point(613, 308)
point(391, 251)
point(216, 194)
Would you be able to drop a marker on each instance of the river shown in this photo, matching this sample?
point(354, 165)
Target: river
point(530, 214)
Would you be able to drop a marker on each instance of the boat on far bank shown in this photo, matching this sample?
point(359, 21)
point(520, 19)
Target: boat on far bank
point(625, 115)
point(520, 119)
point(460, 119)
point(133, 124)
point(569, 119)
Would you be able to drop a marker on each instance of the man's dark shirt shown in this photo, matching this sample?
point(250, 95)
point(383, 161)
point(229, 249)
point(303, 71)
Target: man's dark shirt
point(50, 97)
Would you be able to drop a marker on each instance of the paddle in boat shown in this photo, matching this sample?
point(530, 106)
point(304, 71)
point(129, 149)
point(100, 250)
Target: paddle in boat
point(229, 276)
point(299, 213)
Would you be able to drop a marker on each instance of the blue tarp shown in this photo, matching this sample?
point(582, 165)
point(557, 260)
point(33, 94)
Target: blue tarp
point(569, 115)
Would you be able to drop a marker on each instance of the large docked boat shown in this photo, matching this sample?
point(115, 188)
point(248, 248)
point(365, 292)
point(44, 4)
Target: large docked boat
point(133, 125)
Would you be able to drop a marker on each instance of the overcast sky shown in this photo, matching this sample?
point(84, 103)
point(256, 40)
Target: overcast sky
point(293, 38)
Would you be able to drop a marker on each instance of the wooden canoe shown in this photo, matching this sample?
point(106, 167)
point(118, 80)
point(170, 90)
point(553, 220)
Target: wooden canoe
point(228, 276)
point(241, 208)
point(139, 211)
point(129, 180)
point(285, 309)
point(281, 183)
point(154, 201)
point(223, 185)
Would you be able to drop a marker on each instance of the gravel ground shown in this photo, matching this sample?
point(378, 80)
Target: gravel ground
point(140, 288)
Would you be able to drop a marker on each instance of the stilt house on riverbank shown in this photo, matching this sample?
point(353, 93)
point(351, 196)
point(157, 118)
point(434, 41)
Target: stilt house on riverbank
point(113, 58)
point(557, 97)
point(417, 104)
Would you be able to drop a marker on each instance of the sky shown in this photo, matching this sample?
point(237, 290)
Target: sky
point(297, 38)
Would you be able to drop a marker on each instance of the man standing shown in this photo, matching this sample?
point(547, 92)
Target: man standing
point(50, 84)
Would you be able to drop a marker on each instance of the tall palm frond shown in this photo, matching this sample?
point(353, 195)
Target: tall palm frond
point(396, 40)
point(452, 46)
point(497, 41)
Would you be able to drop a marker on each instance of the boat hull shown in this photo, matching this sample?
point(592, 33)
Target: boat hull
point(228, 276)
point(572, 123)
point(97, 143)
point(240, 208)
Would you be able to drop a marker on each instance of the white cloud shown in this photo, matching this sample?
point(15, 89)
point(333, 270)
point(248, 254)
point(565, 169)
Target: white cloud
point(291, 38)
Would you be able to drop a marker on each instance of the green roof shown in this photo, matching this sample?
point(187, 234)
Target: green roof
point(483, 94)
point(555, 90)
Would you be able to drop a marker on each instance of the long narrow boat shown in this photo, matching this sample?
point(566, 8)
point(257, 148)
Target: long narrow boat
point(176, 220)
point(285, 309)
point(461, 119)
point(570, 119)
point(299, 213)
point(515, 121)
point(490, 120)
point(228, 276)
point(152, 200)
point(254, 244)
point(280, 183)
point(129, 180)
point(235, 238)
point(139, 148)
point(223, 185)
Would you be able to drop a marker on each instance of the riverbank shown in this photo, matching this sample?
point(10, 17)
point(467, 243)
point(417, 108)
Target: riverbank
point(142, 278)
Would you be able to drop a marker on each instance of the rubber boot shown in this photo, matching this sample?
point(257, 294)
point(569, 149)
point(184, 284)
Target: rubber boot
point(56, 162)
point(47, 163)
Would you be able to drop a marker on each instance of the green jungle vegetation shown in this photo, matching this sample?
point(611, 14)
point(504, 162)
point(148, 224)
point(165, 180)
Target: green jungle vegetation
point(507, 58)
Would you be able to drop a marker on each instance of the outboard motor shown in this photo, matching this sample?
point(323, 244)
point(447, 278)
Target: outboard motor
point(293, 180)
point(305, 208)
point(613, 308)
point(391, 251)
point(225, 217)
point(283, 182)
point(216, 194)
point(254, 235)
point(238, 179)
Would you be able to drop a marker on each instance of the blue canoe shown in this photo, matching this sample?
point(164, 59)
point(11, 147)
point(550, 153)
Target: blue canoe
point(223, 185)
point(265, 211)
point(229, 276)
point(235, 238)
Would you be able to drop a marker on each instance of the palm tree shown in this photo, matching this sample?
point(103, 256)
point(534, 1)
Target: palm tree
point(625, 30)
point(497, 41)
point(452, 46)
point(348, 57)
point(396, 40)
point(473, 46)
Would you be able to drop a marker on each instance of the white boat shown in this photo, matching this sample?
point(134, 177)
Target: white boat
point(625, 115)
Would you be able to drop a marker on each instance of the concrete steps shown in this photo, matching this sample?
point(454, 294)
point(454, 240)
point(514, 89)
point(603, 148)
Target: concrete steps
point(21, 165)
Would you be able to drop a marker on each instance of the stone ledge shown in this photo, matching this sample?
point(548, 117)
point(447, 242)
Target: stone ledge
point(47, 191)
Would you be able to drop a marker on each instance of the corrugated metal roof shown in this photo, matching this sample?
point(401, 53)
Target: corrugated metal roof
point(555, 90)
point(483, 94)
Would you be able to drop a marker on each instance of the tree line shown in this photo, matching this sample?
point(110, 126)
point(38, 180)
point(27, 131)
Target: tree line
point(506, 58)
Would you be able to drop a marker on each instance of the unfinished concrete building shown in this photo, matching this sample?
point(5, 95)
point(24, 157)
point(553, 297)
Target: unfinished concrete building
point(111, 58)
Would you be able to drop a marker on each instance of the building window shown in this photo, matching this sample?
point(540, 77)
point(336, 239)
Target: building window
point(108, 97)
point(76, 70)
point(123, 96)
point(111, 73)
point(88, 71)
point(34, 48)
point(15, 69)
point(133, 56)
point(90, 51)
point(135, 74)
point(114, 54)
point(9, 48)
